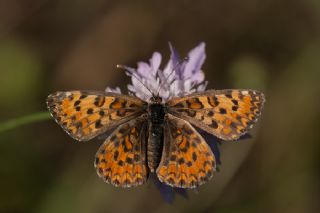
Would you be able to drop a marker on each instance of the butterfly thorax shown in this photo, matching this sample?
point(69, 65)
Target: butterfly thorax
point(156, 113)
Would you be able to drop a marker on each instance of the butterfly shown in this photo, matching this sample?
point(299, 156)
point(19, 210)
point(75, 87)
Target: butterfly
point(155, 136)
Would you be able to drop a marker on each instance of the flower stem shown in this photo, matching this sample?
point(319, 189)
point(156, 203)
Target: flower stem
point(28, 119)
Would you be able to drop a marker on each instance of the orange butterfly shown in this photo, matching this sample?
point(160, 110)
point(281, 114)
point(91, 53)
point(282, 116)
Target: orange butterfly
point(156, 137)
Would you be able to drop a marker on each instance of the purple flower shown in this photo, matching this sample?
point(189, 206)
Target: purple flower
point(178, 78)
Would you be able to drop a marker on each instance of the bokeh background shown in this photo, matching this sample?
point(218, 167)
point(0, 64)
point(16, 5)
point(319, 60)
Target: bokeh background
point(272, 46)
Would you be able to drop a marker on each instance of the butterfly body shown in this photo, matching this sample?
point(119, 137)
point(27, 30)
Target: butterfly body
point(156, 116)
point(156, 137)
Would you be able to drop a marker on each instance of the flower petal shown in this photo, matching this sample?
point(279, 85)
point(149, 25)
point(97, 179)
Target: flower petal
point(202, 87)
point(155, 62)
point(114, 90)
point(143, 69)
point(197, 57)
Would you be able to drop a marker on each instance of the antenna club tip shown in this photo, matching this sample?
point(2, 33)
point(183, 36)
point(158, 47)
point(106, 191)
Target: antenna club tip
point(119, 66)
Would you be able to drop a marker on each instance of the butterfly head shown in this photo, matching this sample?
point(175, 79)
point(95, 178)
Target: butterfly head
point(156, 99)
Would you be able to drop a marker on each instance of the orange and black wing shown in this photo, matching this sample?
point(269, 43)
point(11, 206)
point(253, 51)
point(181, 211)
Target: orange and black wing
point(121, 160)
point(228, 114)
point(84, 115)
point(187, 160)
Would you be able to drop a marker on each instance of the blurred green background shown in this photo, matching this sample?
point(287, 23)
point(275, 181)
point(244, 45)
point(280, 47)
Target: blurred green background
point(272, 46)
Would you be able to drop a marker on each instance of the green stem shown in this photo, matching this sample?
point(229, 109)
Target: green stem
point(16, 122)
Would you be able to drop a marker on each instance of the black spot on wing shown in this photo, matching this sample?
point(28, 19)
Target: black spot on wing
point(223, 111)
point(90, 111)
point(83, 96)
point(77, 103)
point(98, 124)
point(99, 101)
point(214, 124)
point(235, 108)
point(228, 96)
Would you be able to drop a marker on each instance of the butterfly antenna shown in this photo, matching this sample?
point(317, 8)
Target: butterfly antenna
point(173, 70)
point(119, 66)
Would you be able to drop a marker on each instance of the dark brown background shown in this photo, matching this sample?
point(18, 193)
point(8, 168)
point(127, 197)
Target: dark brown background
point(272, 46)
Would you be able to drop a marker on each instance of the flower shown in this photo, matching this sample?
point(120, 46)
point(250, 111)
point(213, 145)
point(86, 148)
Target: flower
point(178, 78)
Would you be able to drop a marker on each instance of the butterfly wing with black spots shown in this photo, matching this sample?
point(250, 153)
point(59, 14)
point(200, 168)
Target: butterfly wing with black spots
point(121, 160)
point(187, 160)
point(227, 114)
point(84, 115)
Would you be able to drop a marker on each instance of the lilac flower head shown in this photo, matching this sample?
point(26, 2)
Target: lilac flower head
point(178, 78)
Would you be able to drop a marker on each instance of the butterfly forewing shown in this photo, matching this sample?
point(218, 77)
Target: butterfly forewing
point(84, 115)
point(228, 114)
point(121, 160)
point(187, 160)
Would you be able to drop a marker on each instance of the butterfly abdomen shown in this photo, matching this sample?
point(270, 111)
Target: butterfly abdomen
point(155, 140)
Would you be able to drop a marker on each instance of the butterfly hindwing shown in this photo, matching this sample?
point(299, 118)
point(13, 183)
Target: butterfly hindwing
point(121, 160)
point(187, 160)
point(228, 114)
point(84, 115)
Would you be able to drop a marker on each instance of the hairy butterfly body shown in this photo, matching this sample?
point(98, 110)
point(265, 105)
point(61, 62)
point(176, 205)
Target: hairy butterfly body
point(156, 116)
